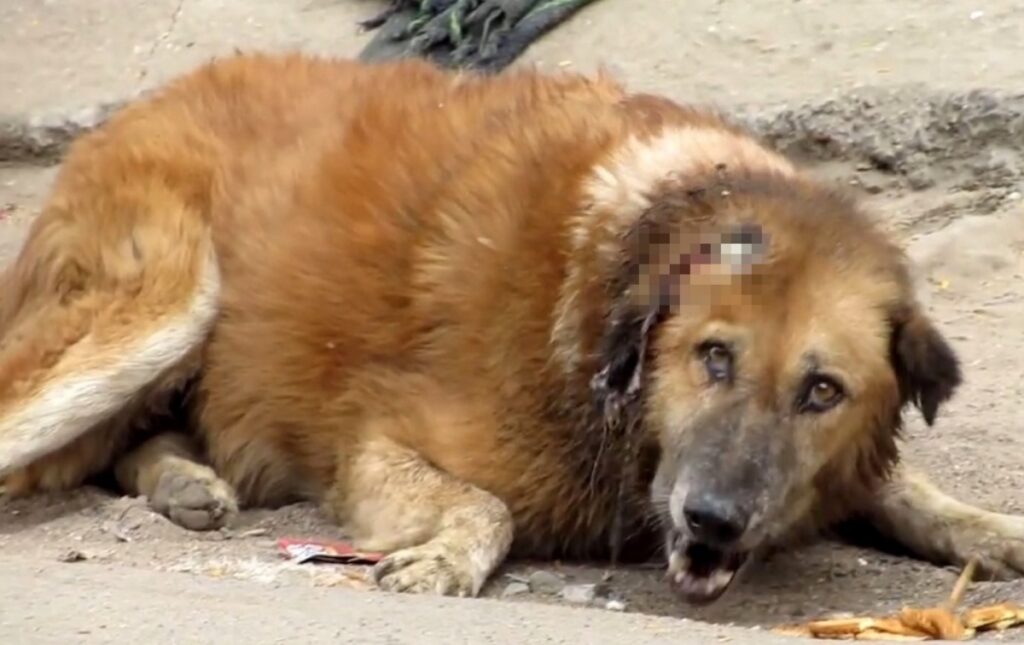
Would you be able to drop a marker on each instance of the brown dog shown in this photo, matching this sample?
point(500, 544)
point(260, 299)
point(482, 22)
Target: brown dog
point(472, 314)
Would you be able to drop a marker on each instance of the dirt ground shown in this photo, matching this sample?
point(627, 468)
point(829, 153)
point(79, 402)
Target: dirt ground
point(918, 105)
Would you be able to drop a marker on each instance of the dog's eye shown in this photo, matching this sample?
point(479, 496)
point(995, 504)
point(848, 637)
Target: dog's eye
point(718, 361)
point(822, 393)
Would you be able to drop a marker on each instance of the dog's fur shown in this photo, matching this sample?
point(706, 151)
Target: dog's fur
point(469, 314)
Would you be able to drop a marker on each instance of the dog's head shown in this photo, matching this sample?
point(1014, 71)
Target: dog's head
point(772, 341)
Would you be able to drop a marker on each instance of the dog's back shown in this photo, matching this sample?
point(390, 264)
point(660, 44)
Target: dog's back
point(259, 182)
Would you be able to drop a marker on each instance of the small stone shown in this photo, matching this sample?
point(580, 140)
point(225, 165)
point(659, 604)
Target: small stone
point(514, 589)
point(71, 556)
point(615, 605)
point(868, 184)
point(920, 179)
point(580, 594)
point(545, 582)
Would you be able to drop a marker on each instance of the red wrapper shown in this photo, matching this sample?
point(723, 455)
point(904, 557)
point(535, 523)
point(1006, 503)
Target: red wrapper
point(302, 550)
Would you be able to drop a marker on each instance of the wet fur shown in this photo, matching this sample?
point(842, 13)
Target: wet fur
point(422, 281)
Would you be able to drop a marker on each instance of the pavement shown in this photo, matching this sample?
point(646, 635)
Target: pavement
point(60, 55)
point(87, 604)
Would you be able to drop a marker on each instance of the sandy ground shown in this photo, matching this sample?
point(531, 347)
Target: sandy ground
point(886, 81)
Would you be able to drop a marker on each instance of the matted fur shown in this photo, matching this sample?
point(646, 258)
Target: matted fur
point(419, 297)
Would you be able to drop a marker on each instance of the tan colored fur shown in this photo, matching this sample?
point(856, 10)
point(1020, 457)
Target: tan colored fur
point(933, 525)
point(387, 289)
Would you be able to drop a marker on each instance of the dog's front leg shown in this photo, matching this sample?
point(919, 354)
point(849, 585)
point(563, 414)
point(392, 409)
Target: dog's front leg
point(933, 525)
point(444, 535)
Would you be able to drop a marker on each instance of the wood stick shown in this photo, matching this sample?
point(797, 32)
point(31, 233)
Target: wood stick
point(960, 588)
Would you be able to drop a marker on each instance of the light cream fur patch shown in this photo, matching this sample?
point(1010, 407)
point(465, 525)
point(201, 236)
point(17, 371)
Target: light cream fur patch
point(620, 188)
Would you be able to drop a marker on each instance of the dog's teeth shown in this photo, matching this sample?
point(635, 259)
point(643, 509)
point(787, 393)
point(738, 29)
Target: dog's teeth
point(674, 562)
point(677, 562)
point(721, 578)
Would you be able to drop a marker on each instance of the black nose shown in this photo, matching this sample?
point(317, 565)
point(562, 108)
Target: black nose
point(713, 519)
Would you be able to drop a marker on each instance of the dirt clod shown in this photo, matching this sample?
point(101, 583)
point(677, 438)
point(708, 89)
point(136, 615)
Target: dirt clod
point(579, 594)
point(72, 555)
point(546, 582)
point(514, 589)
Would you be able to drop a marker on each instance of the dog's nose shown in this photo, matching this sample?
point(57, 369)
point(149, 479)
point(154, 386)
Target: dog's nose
point(713, 519)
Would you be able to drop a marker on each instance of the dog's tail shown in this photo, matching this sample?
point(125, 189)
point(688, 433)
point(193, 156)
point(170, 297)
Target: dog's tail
point(110, 294)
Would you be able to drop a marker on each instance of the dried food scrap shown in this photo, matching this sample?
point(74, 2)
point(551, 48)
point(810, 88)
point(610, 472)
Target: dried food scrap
point(998, 617)
point(914, 624)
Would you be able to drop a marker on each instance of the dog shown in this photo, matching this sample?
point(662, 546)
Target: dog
point(473, 317)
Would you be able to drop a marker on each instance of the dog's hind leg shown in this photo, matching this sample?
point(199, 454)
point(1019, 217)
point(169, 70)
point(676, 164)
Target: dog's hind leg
point(168, 471)
point(69, 466)
point(106, 308)
point(930, 524)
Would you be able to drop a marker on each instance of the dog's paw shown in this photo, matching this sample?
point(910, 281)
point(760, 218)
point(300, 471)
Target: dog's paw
point(198, 501)
point(996, 540)
point(434, 567)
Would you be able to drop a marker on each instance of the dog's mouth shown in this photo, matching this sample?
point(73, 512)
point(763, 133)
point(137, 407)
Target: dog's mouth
point(701, 573)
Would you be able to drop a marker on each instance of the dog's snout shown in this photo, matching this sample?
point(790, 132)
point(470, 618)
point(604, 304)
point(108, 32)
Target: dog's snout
point(713, 519)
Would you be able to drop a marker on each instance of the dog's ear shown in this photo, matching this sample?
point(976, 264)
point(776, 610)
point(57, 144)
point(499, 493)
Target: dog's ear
point(634, 291)
point(623, 354)
point(927, 369)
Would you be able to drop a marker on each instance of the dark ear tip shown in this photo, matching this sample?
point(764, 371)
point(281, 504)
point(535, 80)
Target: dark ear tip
point(928, 367)
point(944, 378)
point(930, 411)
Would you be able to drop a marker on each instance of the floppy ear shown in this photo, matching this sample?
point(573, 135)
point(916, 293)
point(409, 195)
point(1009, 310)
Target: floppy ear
point(623, 354)
point(631, 319)
point(926, 367)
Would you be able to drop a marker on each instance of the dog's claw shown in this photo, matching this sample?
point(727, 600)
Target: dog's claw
point(430, 568)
